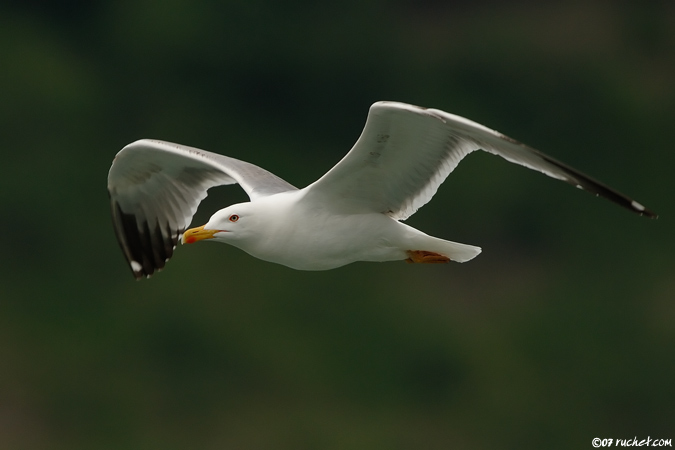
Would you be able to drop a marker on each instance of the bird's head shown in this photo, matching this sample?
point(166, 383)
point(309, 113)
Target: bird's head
point(227, 225)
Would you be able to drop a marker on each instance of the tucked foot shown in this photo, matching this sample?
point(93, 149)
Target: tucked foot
point(424, 257)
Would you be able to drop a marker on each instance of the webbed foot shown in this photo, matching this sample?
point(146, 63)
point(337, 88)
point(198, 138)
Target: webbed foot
point(425, 257)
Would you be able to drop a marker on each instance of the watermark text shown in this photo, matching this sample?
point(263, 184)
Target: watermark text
point(634, 442)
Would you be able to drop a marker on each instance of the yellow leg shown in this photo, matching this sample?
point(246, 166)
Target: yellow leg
point(424, 257)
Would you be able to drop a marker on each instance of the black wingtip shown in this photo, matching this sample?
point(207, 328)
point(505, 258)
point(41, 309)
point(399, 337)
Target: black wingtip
point(146, 249)
point(642, 210)
point(631, 205)
point(649, 214)
point(622, 200)
point(593, 186)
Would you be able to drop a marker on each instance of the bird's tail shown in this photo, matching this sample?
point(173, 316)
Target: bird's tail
point(415, 240)
point(456, 251)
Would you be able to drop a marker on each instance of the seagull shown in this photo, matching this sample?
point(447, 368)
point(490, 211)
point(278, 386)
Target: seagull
point(354, 212)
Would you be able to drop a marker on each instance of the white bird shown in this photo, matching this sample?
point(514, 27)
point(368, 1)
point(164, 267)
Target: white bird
point(352, 213)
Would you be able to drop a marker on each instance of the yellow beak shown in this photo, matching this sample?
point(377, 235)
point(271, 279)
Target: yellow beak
point(198, 234)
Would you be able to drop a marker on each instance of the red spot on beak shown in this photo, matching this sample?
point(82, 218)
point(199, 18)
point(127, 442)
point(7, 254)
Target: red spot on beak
point(198, 234)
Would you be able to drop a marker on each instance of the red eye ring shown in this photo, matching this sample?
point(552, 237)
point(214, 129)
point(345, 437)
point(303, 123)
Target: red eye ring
point(234, 218)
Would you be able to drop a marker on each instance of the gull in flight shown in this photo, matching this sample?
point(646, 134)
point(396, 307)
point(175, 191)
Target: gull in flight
point(352, 213)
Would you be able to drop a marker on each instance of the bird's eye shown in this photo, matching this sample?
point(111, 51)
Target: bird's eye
point(234, 218)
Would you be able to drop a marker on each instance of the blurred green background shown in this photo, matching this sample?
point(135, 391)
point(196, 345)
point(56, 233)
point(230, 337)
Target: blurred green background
point(561, 331)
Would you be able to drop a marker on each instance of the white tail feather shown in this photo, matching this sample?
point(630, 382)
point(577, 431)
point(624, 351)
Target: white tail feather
point(461, 252)
point(453, 250)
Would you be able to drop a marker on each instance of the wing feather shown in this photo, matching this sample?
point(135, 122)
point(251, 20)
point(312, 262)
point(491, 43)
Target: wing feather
point(406, 152)
point(155, 188)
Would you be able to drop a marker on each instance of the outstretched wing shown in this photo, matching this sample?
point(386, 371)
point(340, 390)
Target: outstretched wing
point(405, 152)
point(155, 188)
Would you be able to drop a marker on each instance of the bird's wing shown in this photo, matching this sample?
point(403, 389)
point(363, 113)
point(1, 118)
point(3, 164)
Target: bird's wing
point(155, 188)
point(405, 152)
